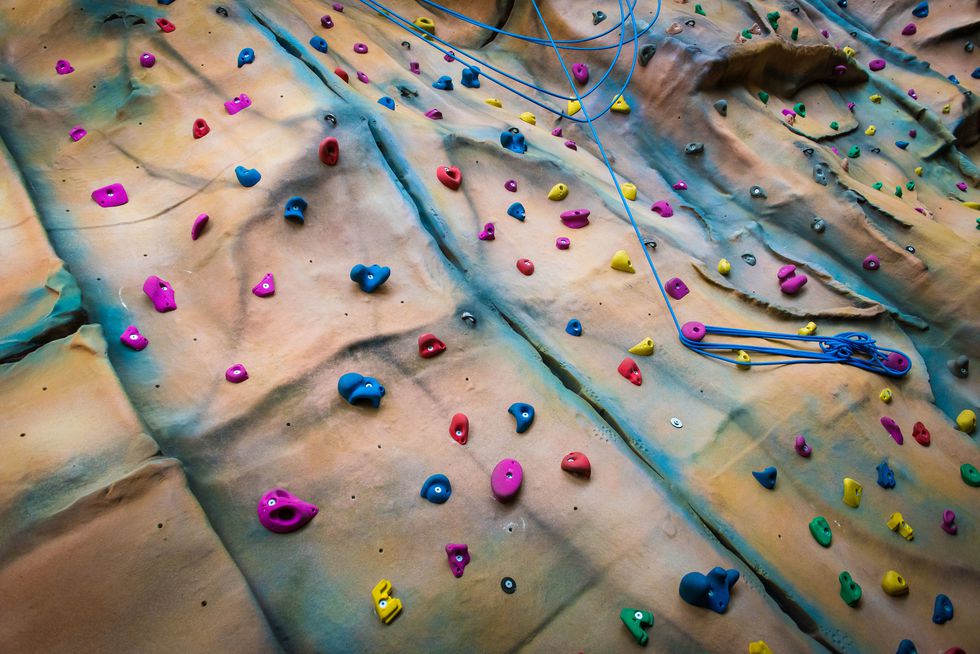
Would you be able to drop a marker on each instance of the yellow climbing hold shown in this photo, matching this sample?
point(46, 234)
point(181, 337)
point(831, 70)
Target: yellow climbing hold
point(852, 492)
point(644, 348)
point(494, 102)
point(558, 192)
point(885, 395)
point(724, 266)
point(894, 584)
point(876, 98)
point(425, 24)
point(966, 422)
point(743, 359)
point(621, 261)
point(918, 171)
point(897, 523)
point(574, 106)
point(972, 205)
point(946, 108)
point(619, 104)
point(759, 647)
point(528, 117)
point(629, 190)
point(808, 330)
point(849, 51)
point(871, 130)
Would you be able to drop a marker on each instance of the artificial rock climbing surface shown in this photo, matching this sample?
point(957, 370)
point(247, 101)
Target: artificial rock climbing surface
point(297, 307)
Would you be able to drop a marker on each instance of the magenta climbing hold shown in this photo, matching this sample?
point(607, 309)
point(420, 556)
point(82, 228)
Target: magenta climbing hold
point(679, 185)
point(433, 114)
point(62, 67)
point(160, 293)
point(793, 284)
point(147, 60)
point(575, 218)
point(913, 94)
point(338, 7)
point(77, 133)
point(450, 56)
point(360, 48)
point(281, 512)
point(663, 208)
point(238, 103)
point(266, 287)
point(506, 479)
point(198, 227)
point(459, 557)
point(949, 522)
point(488, 233)
point(563, 243)
point(581, 73)
point(511, 185)
point(236, 374)
point(133, 339)
point(871, 262)
point(694, 331)
point(363, 78)
point(909, 29)
point(676, 288)
point(893, 429)
point(326, 21)
point(414, 67)
point(801, 446)
point(876, 64)
point(961, 186)
point(556, 131)
point(571, 145)
point(113, 195)
point(786, 272)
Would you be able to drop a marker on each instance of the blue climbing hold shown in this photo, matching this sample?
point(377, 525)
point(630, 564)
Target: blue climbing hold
point(975, 74)
point(295, 206)
point(470, 77)
point(444, 83)
point(523, 414)
point(711, 591)
point(906, 647)
point(943, 609)
point(953, 79)
point(886, 478)
point(513, 142)
point(766, 477)
point(516, 210)
point(387, 102)
point(164, 2)
point(246, 56)
point(574, 327)
point(358, 389)
point(902, 144)
point(921, 10)
point(319, 43)
point(247, 177)
point(436, 489)
point(369, 278)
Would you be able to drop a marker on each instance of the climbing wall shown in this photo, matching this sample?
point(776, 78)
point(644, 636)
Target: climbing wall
point(319, 335)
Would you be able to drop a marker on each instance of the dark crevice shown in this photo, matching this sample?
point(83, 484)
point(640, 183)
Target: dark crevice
point(508, 9)
point(294, 51)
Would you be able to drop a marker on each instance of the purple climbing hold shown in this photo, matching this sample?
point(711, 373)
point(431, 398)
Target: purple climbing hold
point(62, 67)
point(562, 243)
point(793, 284)
point(679, 185)
point(147, 60)
point(663, 208)
point(133, 339)
point(414, 67)
point(236, 374)
point(949, 522)
point(360, 48)
point(694, 331)
point(160, 293)
point(961, 186)
point(511, 185)
point(576, 218)
point(893, 429)
point(571, 145)
point(876, 64)
point(77, 133)
point(556, 131)
point(871, 262)
point(433, 114)
point(909, 29)
point(676, 288)
point(363, 78)
point(266, 287)
point(801, 446)
point(198, 227)
point(338, 7)
point(581, 73)
point(326, 21)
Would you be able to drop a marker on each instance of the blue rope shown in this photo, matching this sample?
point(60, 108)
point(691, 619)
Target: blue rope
point(850, 348)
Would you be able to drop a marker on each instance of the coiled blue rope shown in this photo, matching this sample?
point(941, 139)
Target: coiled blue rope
point(850, 348)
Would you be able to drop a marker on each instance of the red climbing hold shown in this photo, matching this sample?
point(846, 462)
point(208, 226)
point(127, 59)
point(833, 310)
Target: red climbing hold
point(525, 266)
point(329, 151)
point(921, 434)
point(430, 346)
point(459, 428)
point(577, 464)
point(342, 74)
point(201, 128)
point(450, 176)
point(165, 25)
point(631, 371)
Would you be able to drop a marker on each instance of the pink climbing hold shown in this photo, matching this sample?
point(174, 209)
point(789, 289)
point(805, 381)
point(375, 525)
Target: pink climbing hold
point(876, 64)
point(786, 272)
point(488, 233)
point(238, 103)
point(909, 29)
point(133, 339)
point(506, 479)
point(663, 208)
point(161, 293)
point(556, 131)
point(414, 67)
point(62, 67)
point(563, 243)
point(679, 185)
point(871, 262)
point(77, 133)
point(576, 218)
point(236, 374)
point(198, 227)
point(511, 185)
point(676, 288)
point(581, 73)
point(459, 557)
point(266, 287)
point(113, 195)
point(433, 114)
point(801, 447)
point(893, 429)
point(694, 331)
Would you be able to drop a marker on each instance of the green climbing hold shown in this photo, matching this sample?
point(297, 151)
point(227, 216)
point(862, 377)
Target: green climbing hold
point(698, 10)
point(820, 530)
point(910, 185)
point(850, 591)
point(877, 186)
point(764, 97)
point(970, 474)
point(800, 108)
point(773, 18)
point(834, 125)
point(795, 33)
point(898, 191)
point(854, 152)
point(637, 622)
point(746, 34)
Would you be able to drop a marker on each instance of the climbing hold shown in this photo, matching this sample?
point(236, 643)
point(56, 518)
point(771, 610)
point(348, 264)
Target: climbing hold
point(147, 60)
point(506, 479)
point(329, 151)
point(516, 210)
point(201, 128)
point(818, 225)
point(358, 389)
point(621, 261)
point(663, 208)
point(523, 416)
point(792, 284)
point(820, 530)
point(808, 329)
point(629, 190)
point(508, 585)
point(529, 118)
point(871, 262)
point(637, 621)
point(577, 464)
point(562, 243)
point(165, 25)
point(511, 185)
point(834, 125)
point(724, 266)
point(680, 185)
point(295, 206)
point(319, 43)
point(942, 610)
point(450, 177)
point(711, 591)
point(921, 434)
point(877, 186)
point(749, 259)
point(282, 512)
point(238, 103)
point(949, 522)
point(526, 266)
point(161, 293)
point(326, 21)
point(876, 64)
point(966, 421)
point(386, 606)
point(470, 77)
point(574, 327)
point(801, 446)
point(675, 28)
point(894, 584)
point(852, 493)
point(459, 428)
point(694, 148)
point(960, 367)
point(488, 233)
point(850, 591)
point(970, 474)
point(921, 10)
point(266, 287)
point(513, 141)
point(764, 97)
point(619, 105)
point(871, 130)
point(430, 346)
point(628, 369)
point(676, 288)
point(558, 192)
point(598, 17)
point(369, 278)
point(198, 227)
point(342, 74)
point(893, 429)
point(236, 374)
point(575, 218)
point(644, 348)
point(63, 67)
point(766, 477)
point(433, 114)
point(897, 523)
point(646, 53)
point(426, 24)
point(694, 331)
point(247, 177)
point(757, 192)
point(133, 339)
point(918, 171)
point(571, 145)
point(759, 646)
point(909, 29)
point(78, 132)
point(580, 72)
point(902, 145)
point(360, 48)
point(436, 489)
point(773, 18)
point(885, 395)
point(414, 68)
point(721, 106)
point(459, 558)
point(387, 102)
point(854, 152)
point(800, 108)
point(494, 102)
point(221, 11)
point(113, 195)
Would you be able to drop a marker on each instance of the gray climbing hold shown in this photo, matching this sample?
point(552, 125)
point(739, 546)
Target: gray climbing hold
point(694, 148)
point(910, 249)
point(969, 46)
point(650, 244)
point(808, 152)
point(749, 258)
point(757, 192)
point(820, 174)
point(646, 53)
point(408, 92)
point(818, 225)
point(468, 318)
point(598, 17)
point(721, 107)
point(960, 367)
